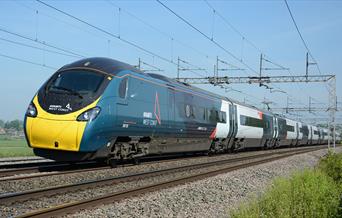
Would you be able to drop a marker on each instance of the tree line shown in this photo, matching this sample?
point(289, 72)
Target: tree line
point(13, 124)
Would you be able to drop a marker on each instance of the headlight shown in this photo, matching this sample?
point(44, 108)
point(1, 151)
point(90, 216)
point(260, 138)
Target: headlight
point(31, 110)
point(89, 115)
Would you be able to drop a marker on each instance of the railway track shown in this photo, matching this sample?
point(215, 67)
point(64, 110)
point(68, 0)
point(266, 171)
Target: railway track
point(61, 168)
point(66, 168)
point(20, 160)
point(23, 165)
point(46, 167)
point(233, 164)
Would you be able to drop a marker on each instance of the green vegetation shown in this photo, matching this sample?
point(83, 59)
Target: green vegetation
point(14, 124)
point(12, 142)
point(312, 193)
point(14, 147)
point(332, 166)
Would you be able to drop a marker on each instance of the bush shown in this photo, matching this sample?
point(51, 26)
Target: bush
point(332, 166)
point(305, 194)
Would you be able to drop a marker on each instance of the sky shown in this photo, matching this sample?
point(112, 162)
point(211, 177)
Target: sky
point(36, 40)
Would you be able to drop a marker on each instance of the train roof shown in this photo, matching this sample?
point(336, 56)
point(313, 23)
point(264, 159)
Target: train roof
point(107, 65)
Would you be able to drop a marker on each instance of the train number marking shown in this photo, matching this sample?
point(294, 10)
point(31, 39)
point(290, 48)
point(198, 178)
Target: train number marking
point(147, 115)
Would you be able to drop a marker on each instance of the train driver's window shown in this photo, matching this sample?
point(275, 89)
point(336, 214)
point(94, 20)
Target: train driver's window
point(123, 88)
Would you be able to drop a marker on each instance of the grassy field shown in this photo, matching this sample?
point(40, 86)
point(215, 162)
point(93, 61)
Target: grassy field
point(10, 147)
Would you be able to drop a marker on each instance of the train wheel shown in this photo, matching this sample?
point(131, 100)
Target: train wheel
point(113, 163)
point(136, 161)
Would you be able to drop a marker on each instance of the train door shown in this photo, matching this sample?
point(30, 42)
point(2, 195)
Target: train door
point(267, 130)
point(282, 131)
point(235, 121)
point(171, 107)
point(305, 131)
point(222, 129)
point(275, 131)
point(310, 135)
point(122, 102)
point(297, 133)
point(233, 124)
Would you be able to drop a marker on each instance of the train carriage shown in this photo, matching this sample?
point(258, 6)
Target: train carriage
point(291, 133)
point(315, 135)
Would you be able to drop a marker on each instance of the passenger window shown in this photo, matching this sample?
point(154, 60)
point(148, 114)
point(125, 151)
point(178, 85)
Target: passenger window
point(204, 114)
point(187, 111)
point(217, 116)
point(223, 117)
point(211, 115)
point(193, 113)
point(243, 120)
point(123, 88)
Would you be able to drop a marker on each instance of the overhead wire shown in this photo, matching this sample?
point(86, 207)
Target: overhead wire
point(206, 36)
point(133, 44)
point(167, 35)
point(244, 38)
point(110, 34)
point(107, 33)
point(28, 7)
point(302, 39)
point(27, 61)
point(38, 48)
point(269, 59)
point(232, 26)
point(301, 36)
point(41, 42)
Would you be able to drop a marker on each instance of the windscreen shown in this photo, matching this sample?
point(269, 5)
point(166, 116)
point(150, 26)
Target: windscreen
point(71, 90)
point(78, 83)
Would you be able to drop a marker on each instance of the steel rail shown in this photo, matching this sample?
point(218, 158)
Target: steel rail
point(43, 167)
point(23, 165)
point(147, 160)
point(20, 160)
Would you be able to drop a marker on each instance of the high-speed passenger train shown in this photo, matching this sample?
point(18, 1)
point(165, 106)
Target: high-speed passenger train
point(99, 108)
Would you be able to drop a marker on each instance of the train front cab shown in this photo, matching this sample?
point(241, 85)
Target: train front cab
point(62, 111)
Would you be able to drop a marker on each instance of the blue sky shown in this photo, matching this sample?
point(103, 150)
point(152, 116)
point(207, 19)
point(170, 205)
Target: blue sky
point(267, 24)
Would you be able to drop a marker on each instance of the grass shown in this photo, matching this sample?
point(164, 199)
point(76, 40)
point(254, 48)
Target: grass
point(12, 147)
point(311, 193)
point(332, 166)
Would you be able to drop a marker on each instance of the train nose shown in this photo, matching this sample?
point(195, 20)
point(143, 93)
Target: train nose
point(55, 134)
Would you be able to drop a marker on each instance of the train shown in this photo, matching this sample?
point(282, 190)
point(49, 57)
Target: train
point(103, 109)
